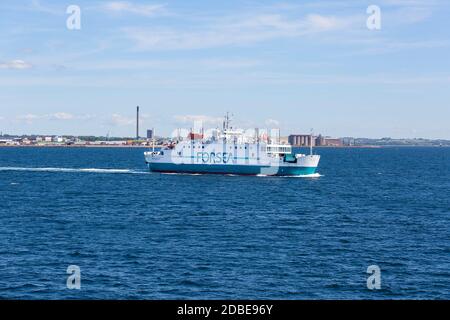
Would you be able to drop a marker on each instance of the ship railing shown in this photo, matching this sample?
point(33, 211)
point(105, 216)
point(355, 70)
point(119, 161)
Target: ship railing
point(153, 153)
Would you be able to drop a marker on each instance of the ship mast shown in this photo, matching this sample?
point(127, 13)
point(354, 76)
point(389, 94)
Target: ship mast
point(227, 121)
point(226, 125)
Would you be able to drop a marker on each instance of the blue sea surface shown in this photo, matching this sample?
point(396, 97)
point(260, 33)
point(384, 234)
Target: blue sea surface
point(138, 235)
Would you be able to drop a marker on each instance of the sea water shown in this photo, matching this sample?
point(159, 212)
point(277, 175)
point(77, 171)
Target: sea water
point(137, 235)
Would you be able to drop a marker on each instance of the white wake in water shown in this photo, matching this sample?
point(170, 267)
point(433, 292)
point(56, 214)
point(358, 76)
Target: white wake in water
point(129, 171)
point(313, 175)
point(73, 170)
point(182, 174)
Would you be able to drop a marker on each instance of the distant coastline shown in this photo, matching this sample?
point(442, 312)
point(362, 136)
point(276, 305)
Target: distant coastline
point(301, 141)
point(162, 146)
point(78, 146)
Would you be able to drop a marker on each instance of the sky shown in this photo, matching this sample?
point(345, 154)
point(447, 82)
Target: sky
point(293, 65)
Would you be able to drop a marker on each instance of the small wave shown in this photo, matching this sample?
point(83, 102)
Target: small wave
point(73, 170)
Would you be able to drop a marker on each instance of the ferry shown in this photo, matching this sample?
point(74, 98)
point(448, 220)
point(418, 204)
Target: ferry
point(231, 152)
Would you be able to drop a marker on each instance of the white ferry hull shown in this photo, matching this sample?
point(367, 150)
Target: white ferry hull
point(231, 169)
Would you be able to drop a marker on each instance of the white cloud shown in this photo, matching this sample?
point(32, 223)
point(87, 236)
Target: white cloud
point(129, 7)
point(406, 15)
point(15, 64)
point(36, 5)
point(316, 22)
point(247, 29)
point(235, 31)
point(28, 116)
point(121, 121)
point(228, 63)
point(410, 3)
point(272, 123)
point(384, 46)
point(62, 116)
point(168, 64)
point(198, 118)
point(58, 116)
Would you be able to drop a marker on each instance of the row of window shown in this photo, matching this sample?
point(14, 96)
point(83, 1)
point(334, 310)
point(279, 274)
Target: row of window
point(180, 154)
point(203, 147)
point(279, 149)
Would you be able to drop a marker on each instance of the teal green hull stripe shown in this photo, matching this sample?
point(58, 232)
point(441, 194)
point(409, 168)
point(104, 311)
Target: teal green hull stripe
point(230, 169)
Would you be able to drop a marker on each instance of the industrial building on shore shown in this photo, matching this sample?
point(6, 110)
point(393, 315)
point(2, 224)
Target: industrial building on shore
point(306, 140)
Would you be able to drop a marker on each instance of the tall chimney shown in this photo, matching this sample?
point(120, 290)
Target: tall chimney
point(137, 123)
